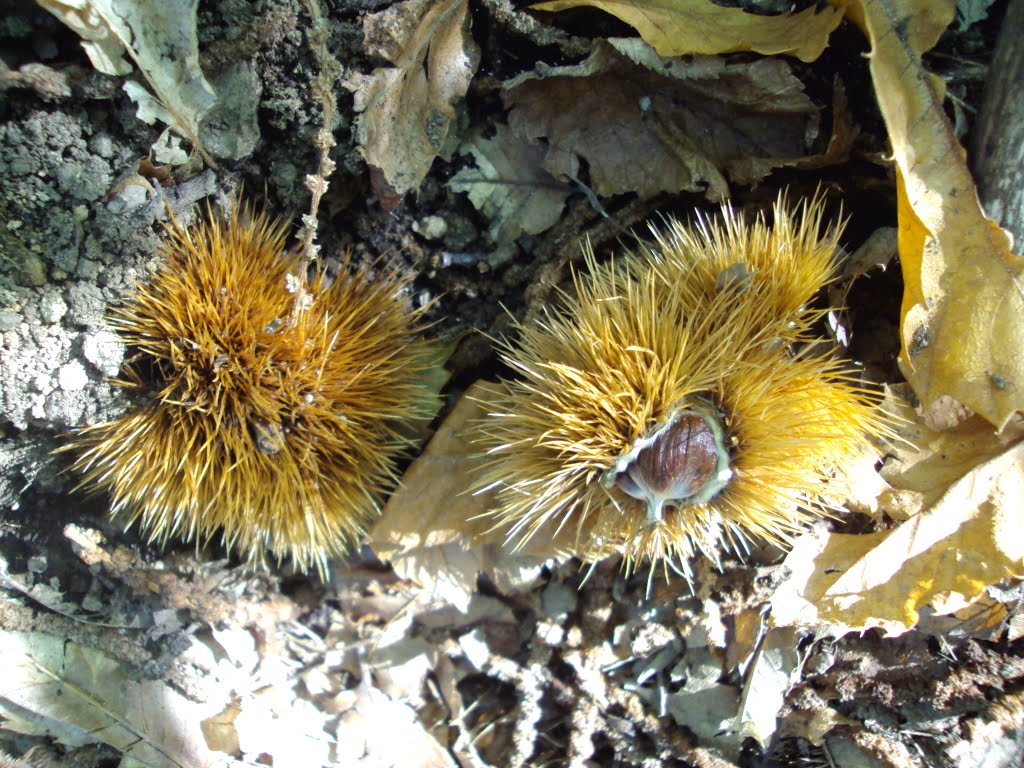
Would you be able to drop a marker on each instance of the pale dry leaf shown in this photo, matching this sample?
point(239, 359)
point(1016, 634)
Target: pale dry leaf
point(509, 186)
point(812, 724)
point(240, 646)
point(96, 24)
point(972, 537)
point(431, 529)
point(963, 303)
point(919, 469)
point(402, 666)
point(648, 125)
point(709, 713)
point(51, 685)
point(377, 732)
point(984, 619)
point(408, 110)
point(277, 721)
point(768, 679)
point(681, 27)
point(159, 36)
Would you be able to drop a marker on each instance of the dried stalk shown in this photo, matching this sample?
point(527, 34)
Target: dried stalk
point(322, 88)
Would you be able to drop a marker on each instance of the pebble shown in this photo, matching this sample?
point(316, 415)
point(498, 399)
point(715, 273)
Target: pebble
point(9, 320)
point(72, 377)
point(430, 227)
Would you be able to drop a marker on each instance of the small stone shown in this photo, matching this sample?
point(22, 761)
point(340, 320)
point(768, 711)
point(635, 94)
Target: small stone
point(87, 269)
point(430, 227)
point(72, 377)
point(102, 145)
point(87, 304)
point(52, 307)
point(104, 349)
point(129, 197)
point(33, 271)
point(558, 600)
point(9, 320)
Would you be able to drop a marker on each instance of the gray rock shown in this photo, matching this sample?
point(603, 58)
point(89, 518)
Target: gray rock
point(87, 305)
point(9, 320)
point(230, 129)
point(104, 349)
point(52, 306)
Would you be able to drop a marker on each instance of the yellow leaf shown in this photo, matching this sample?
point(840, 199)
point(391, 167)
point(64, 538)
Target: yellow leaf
point(931, 456)
point(972, 537)
point(963, 307)
point(680, 27)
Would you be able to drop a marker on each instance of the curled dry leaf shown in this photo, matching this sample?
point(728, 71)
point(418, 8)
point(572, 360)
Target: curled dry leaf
point(963, 305)
point(680, 27)
point(159, 36)
point(973, 536)
point(774, 669)
point(956, 487)
point(431, 529)
point(408, 109)
point(646, 124)
point(102, 32)
point(917, 472)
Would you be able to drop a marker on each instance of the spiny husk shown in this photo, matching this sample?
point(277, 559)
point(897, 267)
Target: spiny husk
point(642, 337)
point(280, 436)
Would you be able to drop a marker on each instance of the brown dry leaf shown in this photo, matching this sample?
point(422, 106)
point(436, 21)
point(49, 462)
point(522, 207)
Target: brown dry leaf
point(431, 530)
point(646, 124)
point(408, 110)
point(963, 305)
point(944, 557)
point(811, 724)
point(680, 27)
point(509, 186)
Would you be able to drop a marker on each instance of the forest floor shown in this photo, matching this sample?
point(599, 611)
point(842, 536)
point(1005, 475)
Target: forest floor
point(120, 651)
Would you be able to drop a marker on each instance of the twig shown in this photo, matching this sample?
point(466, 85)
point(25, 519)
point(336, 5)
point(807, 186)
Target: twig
point(322, 88)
